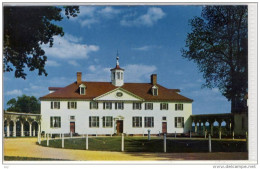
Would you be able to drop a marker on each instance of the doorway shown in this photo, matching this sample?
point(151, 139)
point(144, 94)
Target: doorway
point(164, 127)
point(119, 126)
point(72, 127)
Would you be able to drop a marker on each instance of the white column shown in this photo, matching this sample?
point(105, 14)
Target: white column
point(30, 129)
point(62, 141)
point(211, 128)
point(196, 127)
point(209, 143)
point(7, 129)
point(122, 143)
point(164, 143)
point(22, 132)
point(87, 142)
point(14, 129)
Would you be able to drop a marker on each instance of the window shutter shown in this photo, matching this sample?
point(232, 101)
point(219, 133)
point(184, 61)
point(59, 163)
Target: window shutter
point(123, 105)
point(182, 121)
point(75, 105)
point(51, 105)
point(152, 106)
point(140, 106)
point(104, 105)
point(115, 105)
point(97, 105)
point(51, 121)
point(175, 106)
point(68, 105)
point(97, 121)
point(166, 106)
point(104, 122)
point(110, 105)
point(160, 106)
point(58, 105)
point(90, 105)
point(140, 121)
point(145, 106)
point(181, 106)
point(175, 121)
point(89, 121)
point(133, 106)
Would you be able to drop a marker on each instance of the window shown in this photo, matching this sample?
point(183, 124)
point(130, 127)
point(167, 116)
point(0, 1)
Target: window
point(137, 121)
point(107, 105)
point(72, 118)
point(72, 105)
point(55, 105)
point(114, 76)
point(155, 92)
point(178, 106)
point(107, 121)
point(93, 121)
point(121, 75)
point(148, 106)
point(93, 105)
point(119, 105)
point(118, 75)
point(82, 89)
point(164, 118)
point(148, 122)
point(55, 122)
point(179, 122)
point(164, 106)
point(137, 106)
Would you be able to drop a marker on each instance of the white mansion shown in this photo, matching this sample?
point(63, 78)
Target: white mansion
point(115, 107)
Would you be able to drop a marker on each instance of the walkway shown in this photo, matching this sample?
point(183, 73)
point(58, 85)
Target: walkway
point(27, 147)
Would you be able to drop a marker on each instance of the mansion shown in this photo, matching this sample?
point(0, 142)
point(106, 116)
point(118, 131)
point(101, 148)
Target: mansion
point(115, 107)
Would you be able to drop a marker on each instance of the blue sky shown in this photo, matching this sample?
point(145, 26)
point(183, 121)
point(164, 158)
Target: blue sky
point(148, 38)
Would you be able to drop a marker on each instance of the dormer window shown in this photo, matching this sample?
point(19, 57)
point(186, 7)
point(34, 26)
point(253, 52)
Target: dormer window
point(82, 89)
point(155, 91)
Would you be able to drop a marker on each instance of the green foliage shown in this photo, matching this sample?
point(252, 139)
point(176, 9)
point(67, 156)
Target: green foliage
point(218, 45)
point(25, 30)
point(25, 104)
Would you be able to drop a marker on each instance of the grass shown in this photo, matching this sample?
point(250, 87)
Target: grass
point(16, 158)
point(141, 144)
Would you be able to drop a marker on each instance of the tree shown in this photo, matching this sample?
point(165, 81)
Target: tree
point(25, 104)
point(218, 45)
point(25, 30)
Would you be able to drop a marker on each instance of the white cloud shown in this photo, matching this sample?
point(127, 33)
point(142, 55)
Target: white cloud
point(149, 19)
point(97, 73)
point(88, 22)
point(15, 92)
point(138, 72)
point(73, 63)
point(146, 47)
point(52, 63)
point(86, 11)
point(92, 68)
point(68, 47)
point(109, 12)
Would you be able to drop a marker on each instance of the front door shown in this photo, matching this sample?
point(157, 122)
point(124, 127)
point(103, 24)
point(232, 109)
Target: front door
point(72, 127)
point(119, 126)
point(164, 127)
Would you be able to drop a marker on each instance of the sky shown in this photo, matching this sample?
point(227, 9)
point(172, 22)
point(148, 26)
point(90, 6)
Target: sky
point(148, 39)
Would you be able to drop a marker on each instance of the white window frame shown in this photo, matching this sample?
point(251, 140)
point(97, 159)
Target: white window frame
point(107, 105)
point(148, 106)
point(55, 122)
point(118, 75)
point(119, 105)
point(149, 122)
point(179, 107)
point(164, 106)
point(179, 122)
point(55, 105)
point(137, 122)
point(135, 107)
point(107, 121)
point(93, 105)
point(72, 105)
point(94, 121)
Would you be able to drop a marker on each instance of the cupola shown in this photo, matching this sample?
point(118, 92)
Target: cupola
point(117, 74)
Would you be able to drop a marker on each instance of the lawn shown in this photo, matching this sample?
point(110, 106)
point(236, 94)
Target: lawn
point(141, 144)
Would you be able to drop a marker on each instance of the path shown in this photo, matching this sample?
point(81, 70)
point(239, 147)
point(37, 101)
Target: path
point(27, 147)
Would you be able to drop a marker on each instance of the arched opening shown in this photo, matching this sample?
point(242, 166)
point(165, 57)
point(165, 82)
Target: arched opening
point(5, 128)
point(34, 128)
point(26, 128)
point(216, 128)
point(18, 128)
point(224, 129)
point(11, 128)
point(207, 127)
point(193, 127)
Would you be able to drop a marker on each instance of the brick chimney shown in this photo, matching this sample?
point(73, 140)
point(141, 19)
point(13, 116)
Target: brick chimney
point(154, 79)
point(79, 77)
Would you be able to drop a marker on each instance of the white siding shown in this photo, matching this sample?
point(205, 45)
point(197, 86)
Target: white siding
point(83, 112)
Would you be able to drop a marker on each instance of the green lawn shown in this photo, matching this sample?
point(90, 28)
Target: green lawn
point(16, 158)
point(141, 144)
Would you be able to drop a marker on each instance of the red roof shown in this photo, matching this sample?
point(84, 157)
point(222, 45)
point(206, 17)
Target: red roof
point(55, 88)
point(95, 89)
point(117, 67)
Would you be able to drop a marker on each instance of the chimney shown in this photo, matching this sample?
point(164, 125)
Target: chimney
point(79, 77)
point(154, 79)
